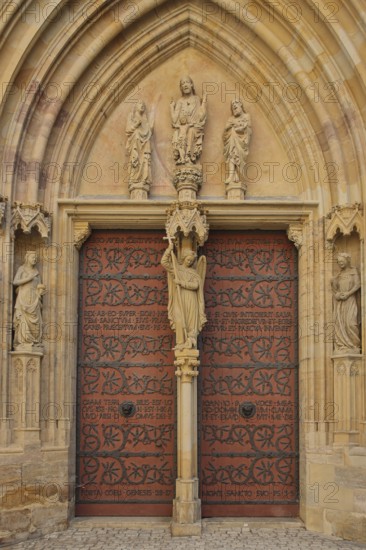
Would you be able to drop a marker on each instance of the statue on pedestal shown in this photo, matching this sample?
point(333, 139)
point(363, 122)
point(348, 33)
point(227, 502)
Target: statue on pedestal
point(236, 138)
point(28, 305)
point(345, 286)
point(139, 132)
point(186, 308)
point(188, 119)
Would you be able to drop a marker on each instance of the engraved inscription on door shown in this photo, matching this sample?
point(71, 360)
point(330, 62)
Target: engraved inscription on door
point(126, 396)
point(248, 404)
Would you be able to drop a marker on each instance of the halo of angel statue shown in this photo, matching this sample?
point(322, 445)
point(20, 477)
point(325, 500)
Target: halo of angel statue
point(27, 320)
point(345, 286)
point(188, 116)
point(236, 138)
point(186, 308)
point(139, 132)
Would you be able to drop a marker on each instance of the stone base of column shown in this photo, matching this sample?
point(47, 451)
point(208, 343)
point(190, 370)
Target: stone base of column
point(346, 438)
point(139, 191)
point(5, 432)
point(25, 395)
point(186, 509)
point(349, 377)
point(236, 191)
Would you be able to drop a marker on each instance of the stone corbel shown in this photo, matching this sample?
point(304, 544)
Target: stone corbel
point(344, 219)
point(29, 216)
point(82, 231)
point(295, 234)
point(187, 218)
point(3, 201)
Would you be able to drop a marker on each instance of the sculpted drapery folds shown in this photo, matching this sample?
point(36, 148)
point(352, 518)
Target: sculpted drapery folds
point(28, 304)
point(188, 119)
point(236, 137)
point(139, 132)
point(345, 286)
point(186, 309)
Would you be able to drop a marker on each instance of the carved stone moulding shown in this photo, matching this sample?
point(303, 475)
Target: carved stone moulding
point(188, 181)
point(29, 216)
point(82, 230)
point(187, 218)
point(344, 219)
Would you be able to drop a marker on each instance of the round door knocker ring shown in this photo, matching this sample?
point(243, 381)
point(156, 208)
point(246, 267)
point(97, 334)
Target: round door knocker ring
point(247, 410)
point(127, 409)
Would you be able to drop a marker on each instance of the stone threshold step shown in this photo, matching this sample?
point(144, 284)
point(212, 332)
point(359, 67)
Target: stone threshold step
point(150, 523)
point(252, 523)
point(208, 524)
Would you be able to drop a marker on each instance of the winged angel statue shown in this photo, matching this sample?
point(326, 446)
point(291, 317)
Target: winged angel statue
point(186, 308)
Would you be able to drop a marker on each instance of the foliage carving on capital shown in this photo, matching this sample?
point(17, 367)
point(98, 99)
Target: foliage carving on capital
point(295, 234)
point(344, 219)
point(29, 216)
point(82, 230)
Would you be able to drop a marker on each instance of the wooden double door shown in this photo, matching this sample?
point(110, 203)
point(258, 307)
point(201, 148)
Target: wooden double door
point(247, 398)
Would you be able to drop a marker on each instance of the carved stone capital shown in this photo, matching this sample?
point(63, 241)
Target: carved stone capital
point(188, 181)
point(3, 201)
point(186, 363)
point(29, 216)
point(295, 234)
point(82, 231)
point(187, 218)
point(344, 219)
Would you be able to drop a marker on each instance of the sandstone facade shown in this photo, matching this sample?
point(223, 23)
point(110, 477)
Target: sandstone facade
point(72, 73)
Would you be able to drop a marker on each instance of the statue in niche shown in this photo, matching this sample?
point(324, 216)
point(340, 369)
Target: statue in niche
point(188, 119)
point(237, 133)
point(186, 308)
point(345, 286)
point(28, 305)
point(139, 132)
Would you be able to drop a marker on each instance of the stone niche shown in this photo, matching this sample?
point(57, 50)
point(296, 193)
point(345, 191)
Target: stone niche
point(107, 162)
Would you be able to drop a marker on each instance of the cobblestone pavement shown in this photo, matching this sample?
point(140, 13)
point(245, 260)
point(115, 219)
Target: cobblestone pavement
point(160, 539)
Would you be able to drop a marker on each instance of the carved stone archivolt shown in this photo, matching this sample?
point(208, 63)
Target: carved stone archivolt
point(29, 216)
point(344, 219)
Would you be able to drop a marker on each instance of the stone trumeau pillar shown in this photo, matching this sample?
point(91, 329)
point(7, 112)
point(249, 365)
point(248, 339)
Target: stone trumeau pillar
point(186, 230)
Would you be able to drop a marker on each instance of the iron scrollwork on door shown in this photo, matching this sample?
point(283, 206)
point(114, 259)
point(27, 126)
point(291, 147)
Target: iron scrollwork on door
point(249, 432)
point(126, 427)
